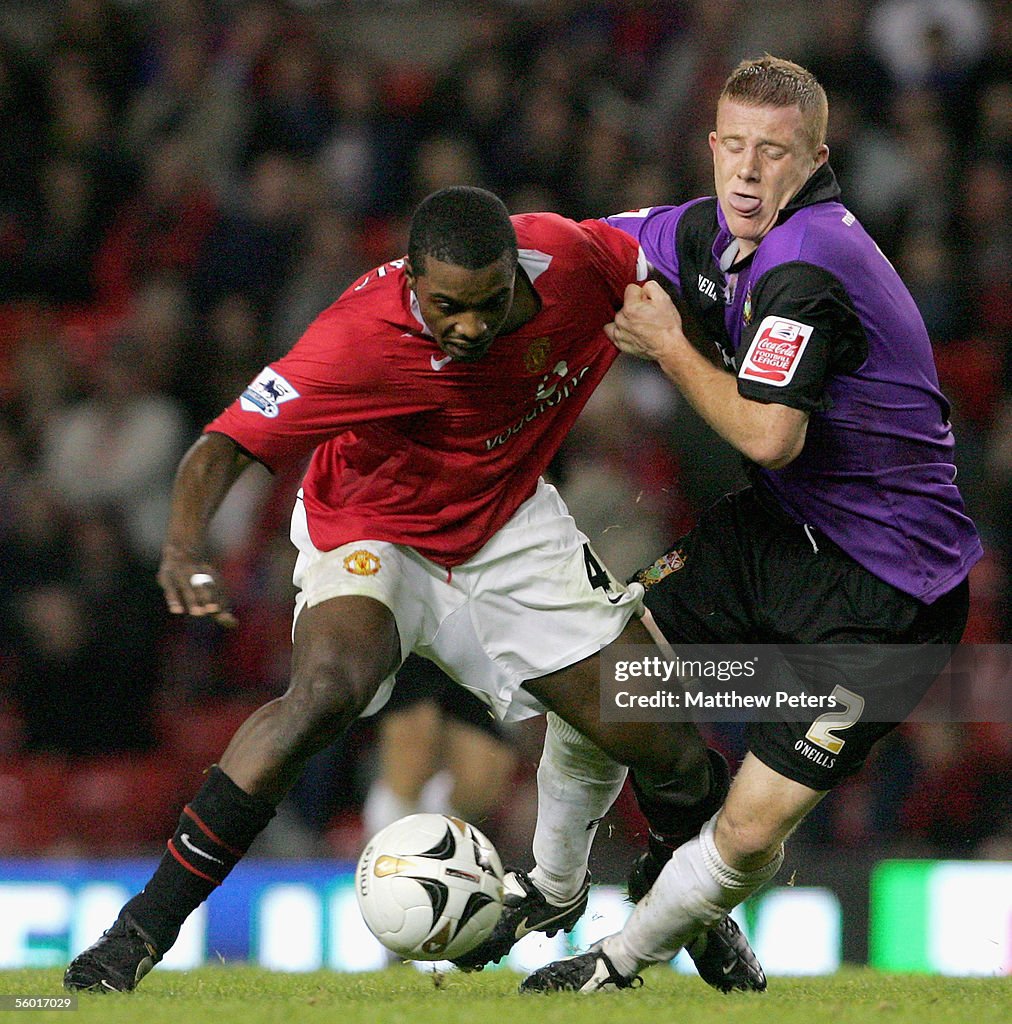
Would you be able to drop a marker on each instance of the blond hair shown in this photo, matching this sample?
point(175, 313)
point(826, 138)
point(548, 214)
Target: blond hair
point(775, 82)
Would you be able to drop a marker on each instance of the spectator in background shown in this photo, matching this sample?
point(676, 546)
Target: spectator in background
point(224, 354)
point(848, 68)
point(158, 324)
point(36, 535)
point(925, 259)
point(60, 667)
point(163, 228)
point(21, 128)
point(289, 114)
point(86, 638)
point(539, 147)
point(476, 102)
point(80, 126)
point(369, 146)
point(44, 380)
point(603, 151)
point(252, 249)
point(927, 42)
point(59, 254)
point(190, 97)
point(103, 34)
point(442, 161)
point(117, 448)
point(327, 263)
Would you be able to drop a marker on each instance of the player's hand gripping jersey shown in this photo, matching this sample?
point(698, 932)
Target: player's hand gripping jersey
point(816, 318)
point(412, 447)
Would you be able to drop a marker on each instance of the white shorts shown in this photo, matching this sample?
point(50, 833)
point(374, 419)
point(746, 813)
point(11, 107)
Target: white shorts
point(522, 607)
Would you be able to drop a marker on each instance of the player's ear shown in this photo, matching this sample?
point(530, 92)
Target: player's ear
point(409, 273)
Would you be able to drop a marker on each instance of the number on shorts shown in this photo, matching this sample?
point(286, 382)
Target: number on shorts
point(823, 730)
point(597, 574)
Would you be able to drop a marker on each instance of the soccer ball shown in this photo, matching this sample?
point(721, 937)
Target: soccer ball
point(430, 887)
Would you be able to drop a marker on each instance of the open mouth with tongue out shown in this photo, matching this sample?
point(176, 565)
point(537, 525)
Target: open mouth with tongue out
point(744, 205)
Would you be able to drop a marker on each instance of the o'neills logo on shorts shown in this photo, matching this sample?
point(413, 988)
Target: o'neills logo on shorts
point(362, 563)
point(775, 351)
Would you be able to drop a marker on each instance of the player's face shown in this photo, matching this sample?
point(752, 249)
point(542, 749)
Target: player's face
point(761, 158)
point(464, 309)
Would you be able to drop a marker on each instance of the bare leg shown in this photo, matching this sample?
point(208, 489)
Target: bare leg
point(761, 811)
point(409, 742)
point(482, 768)
point(409, 749)
point(655, 750)
point(344, 648)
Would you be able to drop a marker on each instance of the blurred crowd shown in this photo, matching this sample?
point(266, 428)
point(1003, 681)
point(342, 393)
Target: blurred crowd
point(184, 184)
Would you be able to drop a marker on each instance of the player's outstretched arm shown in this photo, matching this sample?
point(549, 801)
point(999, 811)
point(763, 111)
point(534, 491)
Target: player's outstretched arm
point(205, 475)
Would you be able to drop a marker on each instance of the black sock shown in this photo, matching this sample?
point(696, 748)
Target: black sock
point(673, 818)
point(215, 829)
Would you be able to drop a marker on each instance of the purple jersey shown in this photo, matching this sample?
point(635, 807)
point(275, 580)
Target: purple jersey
point(817, 318)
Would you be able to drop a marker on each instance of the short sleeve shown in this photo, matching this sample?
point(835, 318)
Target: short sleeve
point(338, 375)
point(804, 329)
point(656, 230)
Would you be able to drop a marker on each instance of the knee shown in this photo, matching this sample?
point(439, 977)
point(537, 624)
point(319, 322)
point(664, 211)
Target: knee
point(745, 838)
point(328, 693)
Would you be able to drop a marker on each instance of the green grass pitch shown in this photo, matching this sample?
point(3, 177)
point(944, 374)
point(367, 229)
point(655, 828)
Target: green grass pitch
point(401, 995)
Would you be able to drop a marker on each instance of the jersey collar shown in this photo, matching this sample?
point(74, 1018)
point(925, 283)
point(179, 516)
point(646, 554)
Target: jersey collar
point(821, 187)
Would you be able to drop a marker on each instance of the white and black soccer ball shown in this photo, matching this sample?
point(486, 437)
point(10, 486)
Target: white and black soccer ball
point(430, 887)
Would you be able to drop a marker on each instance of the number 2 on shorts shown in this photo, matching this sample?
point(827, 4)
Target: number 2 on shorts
point(823, 730)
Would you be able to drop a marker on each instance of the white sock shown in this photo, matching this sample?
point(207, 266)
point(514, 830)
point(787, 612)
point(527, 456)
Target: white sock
point(694, 891)
point(577, 784)
point(436, 793)
point(383, 807)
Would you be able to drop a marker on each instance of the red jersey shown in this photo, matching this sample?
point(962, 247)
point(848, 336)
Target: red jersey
point(412, 447)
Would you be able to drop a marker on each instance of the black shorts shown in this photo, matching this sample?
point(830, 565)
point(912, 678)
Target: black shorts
point(748, 574)
point(418, 679)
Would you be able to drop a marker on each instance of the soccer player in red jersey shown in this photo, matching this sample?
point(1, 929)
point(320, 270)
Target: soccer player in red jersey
point(431, 396)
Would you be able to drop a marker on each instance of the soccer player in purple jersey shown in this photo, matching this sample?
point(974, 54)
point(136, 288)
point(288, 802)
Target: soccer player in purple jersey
point(852, 531)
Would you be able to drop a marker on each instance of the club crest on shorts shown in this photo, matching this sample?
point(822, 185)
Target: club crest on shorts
point(664, 566)
point(362, 563)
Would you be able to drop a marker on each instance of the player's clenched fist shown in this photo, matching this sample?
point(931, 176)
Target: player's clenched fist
point(648, 323)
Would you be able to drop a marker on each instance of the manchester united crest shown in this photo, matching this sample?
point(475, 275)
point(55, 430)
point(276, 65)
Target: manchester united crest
point(536, 357)
point(362, 563)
